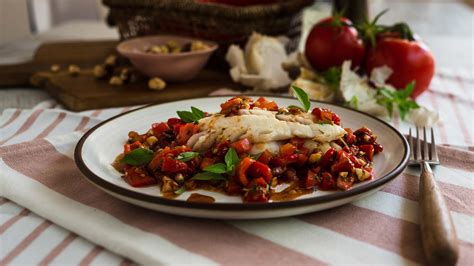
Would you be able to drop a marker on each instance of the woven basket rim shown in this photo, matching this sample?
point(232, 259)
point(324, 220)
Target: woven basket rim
point(214, 9)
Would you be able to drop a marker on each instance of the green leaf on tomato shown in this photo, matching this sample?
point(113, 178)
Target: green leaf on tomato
point(218, 168)
point(208, 176)
point(138, 157)
point(191, 117)
point(231, 159)
point(302, 98)
point(187, 156)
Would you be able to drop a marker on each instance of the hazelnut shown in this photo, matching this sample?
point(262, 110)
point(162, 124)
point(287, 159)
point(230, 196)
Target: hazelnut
point(111, 60)
point(156, 84)
point(198, 46)
point(74, 70)
point(55, 68)
point(99, 71)
point(115, 81)
point(172, 44)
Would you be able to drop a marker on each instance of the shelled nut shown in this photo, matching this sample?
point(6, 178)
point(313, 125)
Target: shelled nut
point(74, 70)
point(115, 81)
point(99, 71)
point(156, 84)
point(55, 68)
point(111, 60)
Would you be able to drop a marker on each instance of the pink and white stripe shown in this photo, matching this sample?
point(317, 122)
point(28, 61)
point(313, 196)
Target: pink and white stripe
point(38, 172)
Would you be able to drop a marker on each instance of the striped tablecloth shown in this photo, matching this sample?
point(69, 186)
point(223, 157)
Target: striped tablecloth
point(49, 214)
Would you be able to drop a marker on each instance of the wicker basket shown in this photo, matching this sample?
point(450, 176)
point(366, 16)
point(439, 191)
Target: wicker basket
point(221, 23)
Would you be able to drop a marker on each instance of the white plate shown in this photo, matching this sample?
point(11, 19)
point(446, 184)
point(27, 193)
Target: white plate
point(100, 145)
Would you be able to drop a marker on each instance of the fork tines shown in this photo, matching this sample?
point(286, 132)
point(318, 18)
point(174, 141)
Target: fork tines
point(421, 150)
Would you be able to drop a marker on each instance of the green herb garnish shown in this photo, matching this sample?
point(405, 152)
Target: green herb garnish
point(191, 117)
point(216, 171)
point(138, 157)
point(208, 176)
point(400, 99)
point(332, 77)
point(180, 191)
point(218, 168)
point(302, 98)
point(187, 156)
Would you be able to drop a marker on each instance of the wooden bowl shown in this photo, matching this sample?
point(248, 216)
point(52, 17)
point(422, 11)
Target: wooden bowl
point(173, 67)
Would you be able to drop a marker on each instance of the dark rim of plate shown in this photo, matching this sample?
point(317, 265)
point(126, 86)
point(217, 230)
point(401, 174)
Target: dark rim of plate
point(115, 189)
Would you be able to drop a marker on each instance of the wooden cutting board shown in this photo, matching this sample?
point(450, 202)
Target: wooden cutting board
point(84, 92)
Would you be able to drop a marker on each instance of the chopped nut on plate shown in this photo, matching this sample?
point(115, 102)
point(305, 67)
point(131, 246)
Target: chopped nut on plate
point(111, 60)
point(55, 68)
point(99, 71)
point(156, 84)
point(115, 81)
point(198, 46)
point(74, 70)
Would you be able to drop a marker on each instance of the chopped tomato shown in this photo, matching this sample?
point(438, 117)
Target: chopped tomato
point(378, 147)
point(259, 182)
point(327, 181)
point(258, 169)
point(287, 149)
point(173, 166)
point(257, 194)
point(158, 159)
point(206, 162)
point(185, 132)
point(233, 188)
point(174, 121)
point(344, 164)
point(326, 115)
point(263, 103)
point(327, 158)
point(349, 138)
point(302, 159)
point(159, 128)
point(242, 168)
point(265, 157)
point(233, 105)
point(310, 180)
point(138, 177)
point(344, 183)
point(368, 149)
point(242, 146)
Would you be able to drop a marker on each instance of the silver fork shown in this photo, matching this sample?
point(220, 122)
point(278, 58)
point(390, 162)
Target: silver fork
point(439, 238)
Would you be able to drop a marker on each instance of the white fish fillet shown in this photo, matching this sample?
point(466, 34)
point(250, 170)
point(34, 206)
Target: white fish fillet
point(261, 126)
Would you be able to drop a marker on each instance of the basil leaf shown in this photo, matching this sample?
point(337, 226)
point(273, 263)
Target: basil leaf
point(302, 97)
point(180, 191)
point(191, 117)
point(208, 176)
point(187, 156)
point(231, 159)
point(187, 116)
point(399, 99)
point(138, 157)
point(197, 112)
point(218, 168)
point(294, 107)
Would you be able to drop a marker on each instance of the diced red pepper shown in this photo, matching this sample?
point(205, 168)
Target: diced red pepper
point(327, 181)
point(233, 105)
point(355, 161)
point(343, 165)
point(349, 138)
point(174, 121)
point(326, 115)
point(158, 159)
point(259, 182)
point(327, 158)
point(265, 157)
point(310, 180)
point(242, 146)
point(363, 130)
point(185, 132)
point(159, 128)
point(287, 149)
point(173, 166)
point(263, 103)
point(258, 169)
point(233, 188)
point(302, 159)
point(138, 177)
point(242, 168)
point(206, 162)
point(368, 149)
point(344, 183)
point(378, 147)
point(257, 194)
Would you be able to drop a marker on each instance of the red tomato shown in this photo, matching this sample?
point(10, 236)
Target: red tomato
point(287, 149)
point(409, 60)
point(326, 115)
point(329, 45)
point(138, 177)
point(265, 157)
point(327, 158)
point(263, 103)
point(241, 146)
point(242, 168)
point(159, 128)
point(369, 151)
point(258, 169)
point(173, 166)
point(310, 180)
point(233, 188)
point(344, 183)
point(186, 131)
point(327, 182)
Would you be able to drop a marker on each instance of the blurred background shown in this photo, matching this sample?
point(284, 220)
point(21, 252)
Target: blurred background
point(447, 26)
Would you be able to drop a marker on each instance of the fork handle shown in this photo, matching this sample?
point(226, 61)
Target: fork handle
point(439, 238)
